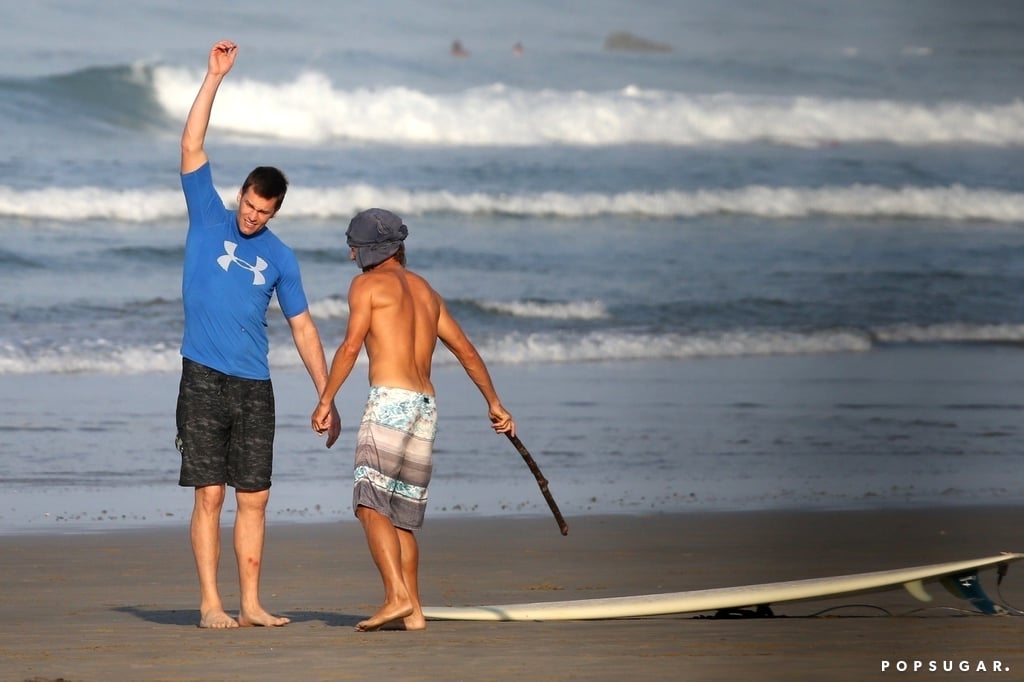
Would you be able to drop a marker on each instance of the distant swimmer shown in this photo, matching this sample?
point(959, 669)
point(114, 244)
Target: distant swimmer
point(627, 42)
point(458, 50)
point(517, 49)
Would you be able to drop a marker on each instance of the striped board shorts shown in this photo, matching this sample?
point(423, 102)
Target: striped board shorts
point(394, 451)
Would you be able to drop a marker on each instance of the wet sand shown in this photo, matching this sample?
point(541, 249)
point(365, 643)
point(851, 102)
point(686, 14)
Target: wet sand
point(122, 605)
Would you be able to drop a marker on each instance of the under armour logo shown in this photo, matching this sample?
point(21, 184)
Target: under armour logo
point(229, 257)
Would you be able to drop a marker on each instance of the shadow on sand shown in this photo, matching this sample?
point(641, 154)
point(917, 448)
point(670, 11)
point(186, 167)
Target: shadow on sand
point(190, 617)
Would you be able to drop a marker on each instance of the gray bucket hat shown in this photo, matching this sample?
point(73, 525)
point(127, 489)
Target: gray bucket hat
point(376, 235)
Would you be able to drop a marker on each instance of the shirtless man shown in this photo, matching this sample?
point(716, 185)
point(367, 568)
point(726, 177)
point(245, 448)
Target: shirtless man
point(399, 318)
point(233, 265)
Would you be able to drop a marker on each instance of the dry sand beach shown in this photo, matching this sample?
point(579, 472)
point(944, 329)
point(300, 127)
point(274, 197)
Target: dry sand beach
point(121, 605)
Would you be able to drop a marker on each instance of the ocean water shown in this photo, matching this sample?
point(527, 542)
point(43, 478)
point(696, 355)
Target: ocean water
point(778, 264)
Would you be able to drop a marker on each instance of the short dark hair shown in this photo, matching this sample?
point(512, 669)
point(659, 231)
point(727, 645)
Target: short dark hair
point(267, 182)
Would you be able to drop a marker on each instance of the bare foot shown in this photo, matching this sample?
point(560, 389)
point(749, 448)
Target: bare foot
point(387, 614)
point(409, 623)
point(217, 620)
point(261, 618)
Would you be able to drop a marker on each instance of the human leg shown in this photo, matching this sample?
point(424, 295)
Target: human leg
point(392, 470)
point(410, 575)
point(202, 426)
point(250, 531)
point(386, 550)
point(205, 532)
point(249, 470)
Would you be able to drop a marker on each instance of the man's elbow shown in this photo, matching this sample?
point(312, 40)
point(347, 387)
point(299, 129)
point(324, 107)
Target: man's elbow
point(349, 351)
point(193, 154)
point(467, 355)
point(190, 145)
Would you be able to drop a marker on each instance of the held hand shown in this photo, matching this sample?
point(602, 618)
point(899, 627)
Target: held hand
point(222, 57)
point(324, 418)
point(334, 430)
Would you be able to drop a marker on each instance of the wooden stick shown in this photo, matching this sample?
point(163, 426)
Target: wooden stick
point(541, 481)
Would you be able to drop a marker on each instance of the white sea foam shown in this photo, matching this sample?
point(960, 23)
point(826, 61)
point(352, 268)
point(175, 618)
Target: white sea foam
point(536, 348)
point(331, 308)
point(310, 109)
point(954, 203)
point(951, 333)
point(598, 346)
point(100, 357)
point(564, 310)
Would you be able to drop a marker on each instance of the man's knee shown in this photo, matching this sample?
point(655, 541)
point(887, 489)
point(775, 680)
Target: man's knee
point(369, 515)
point(210, 498)
point(252, 501)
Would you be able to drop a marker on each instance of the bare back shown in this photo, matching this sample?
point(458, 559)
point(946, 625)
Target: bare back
point(403, 327)
point(399, 318)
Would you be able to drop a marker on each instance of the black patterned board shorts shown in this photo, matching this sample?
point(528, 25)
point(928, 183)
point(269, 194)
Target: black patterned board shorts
point(225, 429)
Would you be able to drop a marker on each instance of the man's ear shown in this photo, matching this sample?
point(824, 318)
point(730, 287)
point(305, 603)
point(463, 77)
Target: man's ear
point(238, 198)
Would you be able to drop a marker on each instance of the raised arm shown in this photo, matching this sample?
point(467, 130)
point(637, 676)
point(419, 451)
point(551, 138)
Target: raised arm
point(222, 58)
point(455, 340)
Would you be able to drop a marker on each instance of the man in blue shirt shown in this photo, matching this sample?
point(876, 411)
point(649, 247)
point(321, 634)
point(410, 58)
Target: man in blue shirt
point(225, 413)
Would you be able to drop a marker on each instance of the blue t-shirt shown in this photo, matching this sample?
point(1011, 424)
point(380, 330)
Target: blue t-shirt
point(227, 283)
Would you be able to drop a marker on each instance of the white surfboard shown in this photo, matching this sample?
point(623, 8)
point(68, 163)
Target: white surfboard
point(959, 577)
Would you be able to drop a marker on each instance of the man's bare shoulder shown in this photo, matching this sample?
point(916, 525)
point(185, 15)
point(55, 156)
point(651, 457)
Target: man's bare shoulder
point(416, 277)
point(387, 279)
point(425, 286)
point(399, 272)
point(375, 277)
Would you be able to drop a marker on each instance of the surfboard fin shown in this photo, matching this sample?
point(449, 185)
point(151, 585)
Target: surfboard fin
point(967, 586)
point(917, 591)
